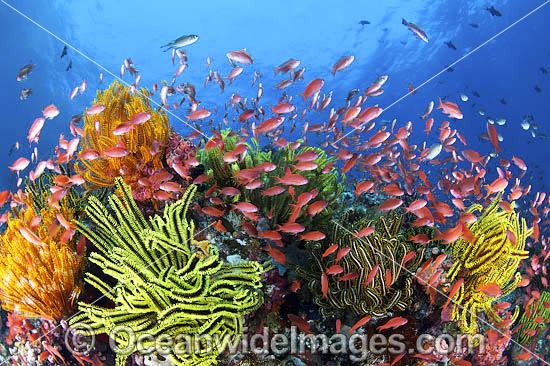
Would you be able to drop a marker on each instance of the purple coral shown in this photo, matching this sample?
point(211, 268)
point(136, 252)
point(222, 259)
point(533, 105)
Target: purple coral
point(179, 149)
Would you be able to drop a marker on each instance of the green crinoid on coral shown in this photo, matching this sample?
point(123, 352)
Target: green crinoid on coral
point(164, 284)
point(329, 184)
point(223, 173)
point(491, 258)
point(533, 320)
point(385, 248)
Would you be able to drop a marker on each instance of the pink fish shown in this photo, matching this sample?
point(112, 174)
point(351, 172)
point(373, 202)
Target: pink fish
point(199, 114)
point(164, 96)
point(19, 164)
point(234, 73)
point(282, 108)
point(240, 56)
point(95, 109)
point(140, 117)
point(115, 152)
point(312, 88)
point(369, 114)
point(35, 129)
point(73, 93)
point(82, 86)
point(50, 111)
point(451, 109)
point(123, 128)
point(342, 64)
point(89, 154)
point(30, 236)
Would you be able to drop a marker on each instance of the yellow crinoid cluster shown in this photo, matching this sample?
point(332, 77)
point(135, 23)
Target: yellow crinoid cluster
point(491, 258)
point(143, 142)
point(164, 284)
point(40, 277)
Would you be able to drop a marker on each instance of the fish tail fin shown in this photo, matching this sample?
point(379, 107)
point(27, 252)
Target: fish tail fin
point(438, 234)
point(440, 104)
point(404, 22)
point(277, 70)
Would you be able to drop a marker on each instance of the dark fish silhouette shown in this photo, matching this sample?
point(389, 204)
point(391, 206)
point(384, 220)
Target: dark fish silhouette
point(494, 12)
point(70, 66)
point(475, 93)
point(364, 22)
point(64, 52)
point(14, 147)
point(503, 101)
point(474, 25)
point(538, 89)
point(450, 44)
point(449, 69)
point(543, 70)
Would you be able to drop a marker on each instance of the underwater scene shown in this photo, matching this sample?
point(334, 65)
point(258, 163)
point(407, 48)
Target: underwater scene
point(284, 183)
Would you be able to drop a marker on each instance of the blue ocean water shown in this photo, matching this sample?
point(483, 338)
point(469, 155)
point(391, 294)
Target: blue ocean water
point(318, 33)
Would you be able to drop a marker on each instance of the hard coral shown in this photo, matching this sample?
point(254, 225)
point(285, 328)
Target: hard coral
point(179, 149)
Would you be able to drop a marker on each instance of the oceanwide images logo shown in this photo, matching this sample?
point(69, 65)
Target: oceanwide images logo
point(357, 346)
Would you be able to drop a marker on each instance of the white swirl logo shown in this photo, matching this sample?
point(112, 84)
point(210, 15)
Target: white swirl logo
point(80, 339)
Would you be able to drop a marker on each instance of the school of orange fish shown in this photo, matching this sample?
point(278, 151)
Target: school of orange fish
point(445, 176)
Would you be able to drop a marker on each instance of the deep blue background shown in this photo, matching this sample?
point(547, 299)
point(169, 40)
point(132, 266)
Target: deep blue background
point(316, 32)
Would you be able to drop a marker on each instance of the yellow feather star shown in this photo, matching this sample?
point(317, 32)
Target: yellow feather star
point(491, 258)
point(164, 282)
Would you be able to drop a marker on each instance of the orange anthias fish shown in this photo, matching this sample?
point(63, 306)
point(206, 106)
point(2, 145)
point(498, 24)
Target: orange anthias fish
point(493, 136)
point(276, 254)
point(491, 289)
point(451, 109)
point(393, 323)
point(301, 323)
point(312, 88)
point(364, 320)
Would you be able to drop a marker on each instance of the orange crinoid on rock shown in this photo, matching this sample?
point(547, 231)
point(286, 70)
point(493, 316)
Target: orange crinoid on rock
point(40, 267)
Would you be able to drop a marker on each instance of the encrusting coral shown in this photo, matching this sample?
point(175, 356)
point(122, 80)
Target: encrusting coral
point(383, 251)
point(40, 266)
point(491, 257)
point(166, 281)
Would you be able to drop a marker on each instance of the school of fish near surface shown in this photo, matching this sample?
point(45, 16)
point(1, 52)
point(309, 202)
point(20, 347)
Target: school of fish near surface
point(261, 172)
